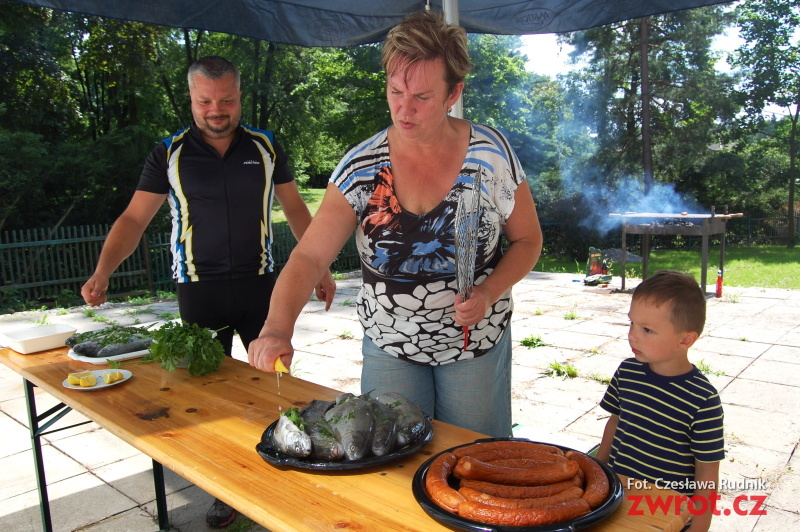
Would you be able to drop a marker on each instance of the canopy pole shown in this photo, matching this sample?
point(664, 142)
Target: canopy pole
point(451, 17)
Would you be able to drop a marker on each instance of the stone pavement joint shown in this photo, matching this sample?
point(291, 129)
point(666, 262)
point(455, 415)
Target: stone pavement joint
point(750, 350)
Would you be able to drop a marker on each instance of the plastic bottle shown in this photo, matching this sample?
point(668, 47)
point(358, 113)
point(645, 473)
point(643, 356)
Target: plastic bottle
point(719, 283)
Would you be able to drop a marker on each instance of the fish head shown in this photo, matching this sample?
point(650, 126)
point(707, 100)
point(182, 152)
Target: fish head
point(355, 444)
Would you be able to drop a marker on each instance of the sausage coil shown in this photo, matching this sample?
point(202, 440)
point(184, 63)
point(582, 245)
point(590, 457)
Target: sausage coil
point(597, 487)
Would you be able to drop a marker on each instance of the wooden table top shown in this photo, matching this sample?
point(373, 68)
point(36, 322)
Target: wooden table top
point(206, 430)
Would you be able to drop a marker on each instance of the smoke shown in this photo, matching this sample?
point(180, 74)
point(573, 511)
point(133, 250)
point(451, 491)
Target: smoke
point(600, 199)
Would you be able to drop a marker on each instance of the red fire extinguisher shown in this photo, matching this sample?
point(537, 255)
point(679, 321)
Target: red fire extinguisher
point(719, 283)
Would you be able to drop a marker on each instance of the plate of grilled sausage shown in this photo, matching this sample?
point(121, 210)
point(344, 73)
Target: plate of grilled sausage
point(515, 485)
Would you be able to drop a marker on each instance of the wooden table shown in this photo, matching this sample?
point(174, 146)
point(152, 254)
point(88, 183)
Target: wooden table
point(206, 429)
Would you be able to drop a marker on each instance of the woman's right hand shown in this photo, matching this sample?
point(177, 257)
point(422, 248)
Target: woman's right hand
point(264, 350)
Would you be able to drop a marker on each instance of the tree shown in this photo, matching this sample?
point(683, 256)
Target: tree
point(687, 105)
point(34, 91)
point(770, 59)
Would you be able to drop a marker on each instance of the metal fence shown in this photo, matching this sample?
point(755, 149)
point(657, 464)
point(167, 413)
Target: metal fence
point(47, 266)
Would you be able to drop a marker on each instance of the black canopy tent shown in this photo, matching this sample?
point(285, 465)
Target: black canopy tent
point(351, 22)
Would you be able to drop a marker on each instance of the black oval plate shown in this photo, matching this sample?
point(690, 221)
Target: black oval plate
point(592, 518)
point(278, 458)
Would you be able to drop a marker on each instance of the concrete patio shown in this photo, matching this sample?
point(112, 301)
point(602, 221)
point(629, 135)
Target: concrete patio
point(750, 351)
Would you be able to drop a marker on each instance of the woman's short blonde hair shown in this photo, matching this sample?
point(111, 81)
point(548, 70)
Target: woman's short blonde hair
point(425, 36)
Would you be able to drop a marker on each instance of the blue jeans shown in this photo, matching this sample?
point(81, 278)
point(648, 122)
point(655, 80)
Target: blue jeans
point(474, 394)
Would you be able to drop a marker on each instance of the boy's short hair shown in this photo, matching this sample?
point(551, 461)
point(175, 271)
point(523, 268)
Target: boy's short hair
point(688, 301)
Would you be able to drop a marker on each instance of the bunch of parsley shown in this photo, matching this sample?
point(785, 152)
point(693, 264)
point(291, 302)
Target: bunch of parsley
point(175, 341)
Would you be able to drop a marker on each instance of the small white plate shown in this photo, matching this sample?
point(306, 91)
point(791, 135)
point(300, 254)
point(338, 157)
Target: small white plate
point(118, 358)
point(98, 375)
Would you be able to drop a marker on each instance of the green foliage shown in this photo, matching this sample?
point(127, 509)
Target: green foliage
point(705, 369)
point(23, 159)
point(84, 99)
point(534, 340)
point(115, 334)
point(602, 379)
point(566, 371)
point(770, 59)
point(175, 342)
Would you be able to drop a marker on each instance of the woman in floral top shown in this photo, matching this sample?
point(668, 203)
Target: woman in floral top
point(399, 191)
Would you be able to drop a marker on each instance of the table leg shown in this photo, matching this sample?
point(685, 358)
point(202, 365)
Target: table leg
point(36, 444)
point(37, 431)
point(704, 269)
point(624, 255)
point(161, 496)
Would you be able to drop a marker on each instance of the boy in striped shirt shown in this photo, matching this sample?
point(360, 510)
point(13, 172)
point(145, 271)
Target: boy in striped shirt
point(666, 423)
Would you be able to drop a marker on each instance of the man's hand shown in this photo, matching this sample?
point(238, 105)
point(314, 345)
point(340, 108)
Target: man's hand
point(94, 290)
point(326, 289)
point(263, 351)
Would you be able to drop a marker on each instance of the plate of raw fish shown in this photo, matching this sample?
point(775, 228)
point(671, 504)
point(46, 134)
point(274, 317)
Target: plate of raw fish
point(352, 432)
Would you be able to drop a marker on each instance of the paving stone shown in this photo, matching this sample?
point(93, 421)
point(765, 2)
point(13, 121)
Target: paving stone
point(752, 337)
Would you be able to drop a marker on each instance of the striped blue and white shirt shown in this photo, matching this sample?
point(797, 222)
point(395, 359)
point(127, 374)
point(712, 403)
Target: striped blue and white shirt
point(665, 424)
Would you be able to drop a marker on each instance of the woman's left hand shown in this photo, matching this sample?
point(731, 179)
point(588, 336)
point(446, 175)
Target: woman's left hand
point(473, 310)
point(326, 289)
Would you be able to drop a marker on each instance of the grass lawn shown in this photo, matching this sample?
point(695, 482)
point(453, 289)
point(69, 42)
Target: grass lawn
point(745, 266)
point(312, 197)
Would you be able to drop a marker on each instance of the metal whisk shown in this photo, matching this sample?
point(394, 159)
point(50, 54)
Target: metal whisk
point(467, 224)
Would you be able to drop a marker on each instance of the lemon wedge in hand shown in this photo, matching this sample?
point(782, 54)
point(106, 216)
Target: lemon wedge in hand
point(280, 367)
point(75, 378)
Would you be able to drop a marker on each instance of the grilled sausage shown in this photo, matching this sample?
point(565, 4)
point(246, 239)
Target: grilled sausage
point(516, 454)
point(596, 480)
point(436, 484)
point(521, 462)
point(520, 492)
point(523, 516)
point(506, 445)
point(504, 502)
point(547, 473)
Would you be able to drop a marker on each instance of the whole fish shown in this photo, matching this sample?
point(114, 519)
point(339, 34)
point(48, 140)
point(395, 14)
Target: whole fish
point(342, 397)
point(324, 445)
point(315, 410)
point(352, 425)
point(289, 438)
point(411, 422)
point(384, 437)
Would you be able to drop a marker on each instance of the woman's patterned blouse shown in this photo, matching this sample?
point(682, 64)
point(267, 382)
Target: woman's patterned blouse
point(406, 302)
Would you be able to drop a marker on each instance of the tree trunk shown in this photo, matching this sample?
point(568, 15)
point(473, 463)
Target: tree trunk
point(647, 157)
point(269, 68)
point(793, 176)
point(256, 85)
point(168, 89)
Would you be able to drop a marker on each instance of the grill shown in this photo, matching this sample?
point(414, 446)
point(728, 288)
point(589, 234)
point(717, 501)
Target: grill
point(684, 223)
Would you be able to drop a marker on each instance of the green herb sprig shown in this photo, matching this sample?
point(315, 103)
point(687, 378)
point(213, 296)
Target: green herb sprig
point(115, 334)
point(176, 341)
point(294, 416)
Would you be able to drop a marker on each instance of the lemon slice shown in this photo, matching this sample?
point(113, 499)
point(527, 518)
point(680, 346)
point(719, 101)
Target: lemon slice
point(88, 381)
point(111, 376)
point(75, 378)
point(280, 367)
